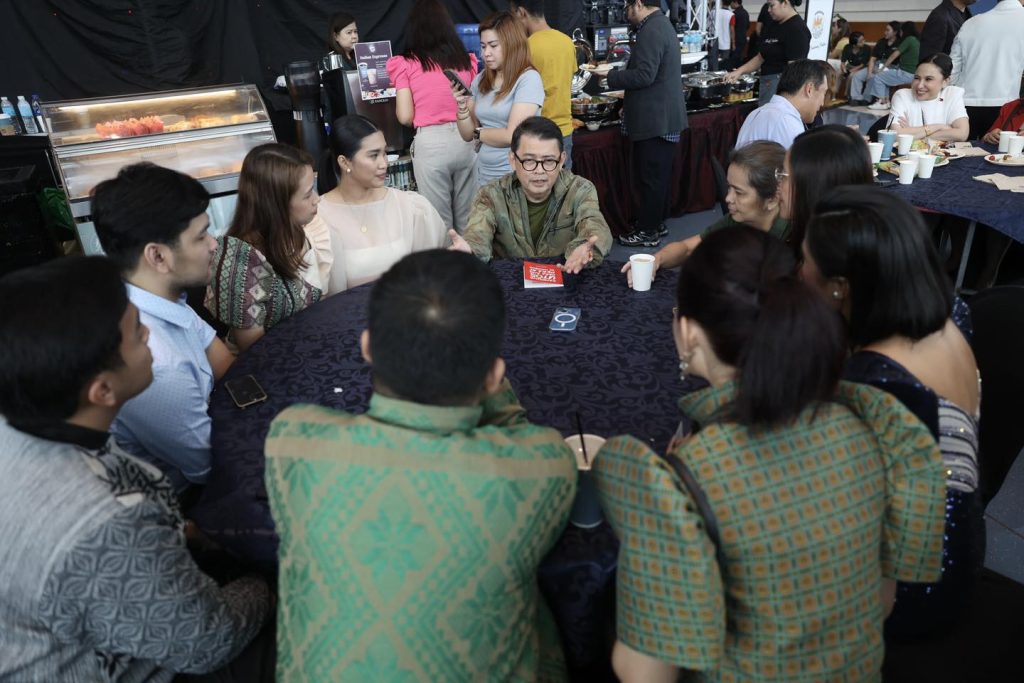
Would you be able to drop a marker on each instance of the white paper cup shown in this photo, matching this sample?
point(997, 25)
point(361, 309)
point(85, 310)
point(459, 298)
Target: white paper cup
point(903, 142)
point(1004, 139)
point(1015, 147)
point(642, 267)
point(925, 165)
point(876, 151)
point(908, 167)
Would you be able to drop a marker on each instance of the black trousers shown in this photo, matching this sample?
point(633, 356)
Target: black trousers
point(652, 172)
point(982, 119)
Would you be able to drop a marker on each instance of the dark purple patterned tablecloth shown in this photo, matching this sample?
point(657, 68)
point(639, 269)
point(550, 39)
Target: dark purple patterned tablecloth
point(617, 369)
point(953, 190)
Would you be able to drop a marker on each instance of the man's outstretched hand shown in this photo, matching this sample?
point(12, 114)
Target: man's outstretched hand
point(580, 256)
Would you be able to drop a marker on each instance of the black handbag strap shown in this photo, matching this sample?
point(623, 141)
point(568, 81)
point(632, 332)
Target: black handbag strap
point(703, 507)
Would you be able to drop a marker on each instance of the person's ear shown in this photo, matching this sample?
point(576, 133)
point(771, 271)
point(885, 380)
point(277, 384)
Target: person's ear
point(839, 289)
point(494, 376)
point(512, 159)
point(157, 256)
point(364, 346)
point(101, 392)
point(344, 164)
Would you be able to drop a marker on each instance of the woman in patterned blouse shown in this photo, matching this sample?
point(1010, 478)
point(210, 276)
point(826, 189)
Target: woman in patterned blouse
point(821, 490)
point(869, 253)
point(276, 255)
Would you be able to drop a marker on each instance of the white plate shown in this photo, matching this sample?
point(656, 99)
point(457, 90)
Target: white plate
point(691, 57)
point(999, 160)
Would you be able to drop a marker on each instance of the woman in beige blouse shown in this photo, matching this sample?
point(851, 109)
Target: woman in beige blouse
point(371, 225)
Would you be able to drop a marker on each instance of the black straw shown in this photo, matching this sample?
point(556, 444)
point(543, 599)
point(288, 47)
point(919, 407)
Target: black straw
point(583, 444)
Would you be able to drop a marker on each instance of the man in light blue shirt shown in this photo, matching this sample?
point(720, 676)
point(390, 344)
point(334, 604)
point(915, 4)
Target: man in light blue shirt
point(152, 222)
point(799, 98)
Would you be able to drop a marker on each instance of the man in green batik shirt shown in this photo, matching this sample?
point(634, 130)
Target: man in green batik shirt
point(538, 210)
point(411, 535)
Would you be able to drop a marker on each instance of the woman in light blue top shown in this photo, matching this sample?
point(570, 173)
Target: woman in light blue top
point(507, 92)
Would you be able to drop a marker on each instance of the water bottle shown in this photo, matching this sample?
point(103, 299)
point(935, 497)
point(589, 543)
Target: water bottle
point(28, 119)
point(37, 111)
point(8, 108)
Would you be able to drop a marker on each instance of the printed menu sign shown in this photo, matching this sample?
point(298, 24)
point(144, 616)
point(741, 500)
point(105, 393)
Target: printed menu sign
point(372, 60)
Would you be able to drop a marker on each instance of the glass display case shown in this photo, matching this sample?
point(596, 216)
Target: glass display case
point(204, 132)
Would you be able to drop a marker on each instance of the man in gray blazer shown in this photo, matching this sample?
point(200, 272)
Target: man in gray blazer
point(654, 115)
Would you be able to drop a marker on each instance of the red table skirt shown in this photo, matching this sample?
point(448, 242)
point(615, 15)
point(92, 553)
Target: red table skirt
point(603, 157)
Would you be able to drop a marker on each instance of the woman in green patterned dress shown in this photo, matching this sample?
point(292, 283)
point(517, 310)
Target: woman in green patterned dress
point(276, 255)
point(821, 492)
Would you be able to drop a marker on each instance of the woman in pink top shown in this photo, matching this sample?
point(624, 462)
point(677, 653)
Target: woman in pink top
point(444, 164)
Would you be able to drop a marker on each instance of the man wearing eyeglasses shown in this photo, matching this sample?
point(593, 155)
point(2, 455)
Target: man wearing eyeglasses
point(538, 210)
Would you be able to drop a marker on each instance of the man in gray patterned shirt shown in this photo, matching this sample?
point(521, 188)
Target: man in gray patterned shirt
point(96, 582)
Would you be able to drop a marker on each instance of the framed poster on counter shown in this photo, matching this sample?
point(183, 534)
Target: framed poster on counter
point(372, 60)
point(819, 21)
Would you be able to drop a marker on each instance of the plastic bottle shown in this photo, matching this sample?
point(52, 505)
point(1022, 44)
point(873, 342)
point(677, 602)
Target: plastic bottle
point(37, 111)
point(7, 125)
point(28, 119)
point(8, 108)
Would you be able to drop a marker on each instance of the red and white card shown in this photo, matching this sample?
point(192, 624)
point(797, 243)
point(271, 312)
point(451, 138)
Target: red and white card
point(541, 275)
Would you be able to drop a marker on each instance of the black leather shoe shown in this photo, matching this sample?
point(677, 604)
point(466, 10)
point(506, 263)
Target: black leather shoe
point(640, 239)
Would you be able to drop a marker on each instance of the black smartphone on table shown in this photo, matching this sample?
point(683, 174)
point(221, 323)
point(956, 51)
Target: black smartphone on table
point(245, 391)
point(454, 79)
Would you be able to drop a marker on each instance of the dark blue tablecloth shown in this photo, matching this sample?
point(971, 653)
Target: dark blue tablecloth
point(953, 190)
point(617, 369)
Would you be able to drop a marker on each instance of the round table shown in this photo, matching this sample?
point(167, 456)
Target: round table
point(618, 369)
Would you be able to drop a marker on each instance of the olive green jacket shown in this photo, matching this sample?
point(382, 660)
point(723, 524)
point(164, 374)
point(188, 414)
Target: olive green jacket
point(499, 222)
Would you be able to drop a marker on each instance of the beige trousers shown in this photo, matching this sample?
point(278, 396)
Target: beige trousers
point(445, 169)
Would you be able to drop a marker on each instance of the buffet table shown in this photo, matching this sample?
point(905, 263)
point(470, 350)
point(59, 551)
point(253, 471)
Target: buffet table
point(603, 157)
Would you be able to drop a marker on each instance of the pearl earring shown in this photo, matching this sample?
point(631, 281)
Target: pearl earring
point(684, 364)
point(836, 294)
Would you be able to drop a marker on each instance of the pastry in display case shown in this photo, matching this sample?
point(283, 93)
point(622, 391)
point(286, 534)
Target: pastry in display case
point(204, 132)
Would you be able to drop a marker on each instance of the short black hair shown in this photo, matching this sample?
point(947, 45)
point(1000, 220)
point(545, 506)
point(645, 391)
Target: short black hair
point(802, 71)
point(144, 203)
point(60, 326)
point(538, 127)
point(535, 8)
point(879, 243)
point(740, 285)
point(436, 321)
point(908, 29)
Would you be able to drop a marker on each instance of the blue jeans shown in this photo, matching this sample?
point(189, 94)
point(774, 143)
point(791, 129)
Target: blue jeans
point(766, 88)
point(880, 84)
point(567, 148)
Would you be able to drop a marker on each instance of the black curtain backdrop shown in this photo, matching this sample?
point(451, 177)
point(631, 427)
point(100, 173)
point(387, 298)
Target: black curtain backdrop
point(64, 49)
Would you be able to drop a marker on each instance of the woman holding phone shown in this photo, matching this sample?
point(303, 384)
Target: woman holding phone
point(508, 91)
point(444, 163)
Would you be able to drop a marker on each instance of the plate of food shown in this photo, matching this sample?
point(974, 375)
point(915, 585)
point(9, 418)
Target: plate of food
point(1005, 160)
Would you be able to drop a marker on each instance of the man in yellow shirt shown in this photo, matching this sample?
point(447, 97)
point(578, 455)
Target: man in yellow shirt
point(554, 57)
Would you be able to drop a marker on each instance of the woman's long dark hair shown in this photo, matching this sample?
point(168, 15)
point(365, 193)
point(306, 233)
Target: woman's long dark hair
point(879, 244)
point(819, 160)
point(431, 40)
point(784, 340)
point(908, 29)
point(270, 176)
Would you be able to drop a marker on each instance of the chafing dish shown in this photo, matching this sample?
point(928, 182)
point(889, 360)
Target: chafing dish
point(744, 83)
point(707, 86)
point(596, 108)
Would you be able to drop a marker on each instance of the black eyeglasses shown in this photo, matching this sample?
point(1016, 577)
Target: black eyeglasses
point(532, 164)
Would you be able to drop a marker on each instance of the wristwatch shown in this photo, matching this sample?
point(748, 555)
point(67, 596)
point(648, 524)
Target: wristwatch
point(476, 133)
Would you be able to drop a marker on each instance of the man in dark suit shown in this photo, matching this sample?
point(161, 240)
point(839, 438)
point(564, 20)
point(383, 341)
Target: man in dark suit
point(943, 24)
point(654, 115)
